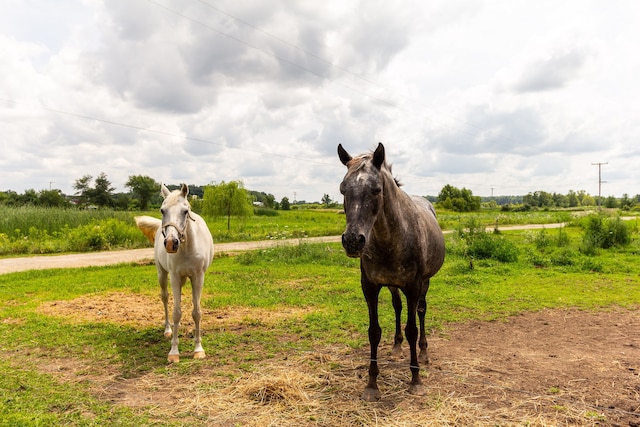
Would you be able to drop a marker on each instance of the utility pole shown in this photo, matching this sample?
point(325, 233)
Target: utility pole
point(600, 181)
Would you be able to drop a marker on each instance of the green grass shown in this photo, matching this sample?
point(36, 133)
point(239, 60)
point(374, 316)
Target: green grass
point(29, 398)
point(315, 281)
point(37, 230)
point(285, 225)
point(33, 230)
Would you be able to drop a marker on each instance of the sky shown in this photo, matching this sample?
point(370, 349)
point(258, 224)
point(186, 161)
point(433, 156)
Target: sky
point(502, 97)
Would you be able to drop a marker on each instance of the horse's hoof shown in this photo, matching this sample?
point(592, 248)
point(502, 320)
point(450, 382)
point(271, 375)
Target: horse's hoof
point(167, 334)
point(173, 358)
point(417, 389)
point(397, 351)
point(199, 355)
point(371, 395)
point(423, 358)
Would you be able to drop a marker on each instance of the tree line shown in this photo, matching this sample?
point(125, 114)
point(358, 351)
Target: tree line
point(144, 193)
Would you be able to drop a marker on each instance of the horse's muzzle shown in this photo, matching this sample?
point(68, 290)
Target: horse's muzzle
point(171, 245)
point(353, 244)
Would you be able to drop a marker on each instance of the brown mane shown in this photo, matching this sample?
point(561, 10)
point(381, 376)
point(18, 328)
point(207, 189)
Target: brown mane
point(360, 161)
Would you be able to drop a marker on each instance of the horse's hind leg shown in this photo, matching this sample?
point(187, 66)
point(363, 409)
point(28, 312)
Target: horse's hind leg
point(196, 287)
point(411, 331)
point(422, 311)
point(396, 300)
point(164, 296)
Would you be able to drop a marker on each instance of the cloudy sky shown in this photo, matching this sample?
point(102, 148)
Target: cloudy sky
point(501, 97)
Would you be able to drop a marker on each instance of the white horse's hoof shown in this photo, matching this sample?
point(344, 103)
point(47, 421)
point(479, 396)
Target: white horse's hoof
point(173, 358)
point(199, 355)
point(167, 334)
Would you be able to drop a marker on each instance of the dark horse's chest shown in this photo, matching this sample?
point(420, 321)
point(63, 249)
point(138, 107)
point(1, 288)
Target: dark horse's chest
point(392, 267)
point(404, 262)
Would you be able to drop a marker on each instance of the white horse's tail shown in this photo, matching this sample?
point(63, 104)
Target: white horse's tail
point(149, 226)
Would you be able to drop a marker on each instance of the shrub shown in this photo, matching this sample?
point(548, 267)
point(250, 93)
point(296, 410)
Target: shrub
point(265, 212)
point(604, 233)
point(483, 245)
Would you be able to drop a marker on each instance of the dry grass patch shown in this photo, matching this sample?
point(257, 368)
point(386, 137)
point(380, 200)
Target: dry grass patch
point(145, 311)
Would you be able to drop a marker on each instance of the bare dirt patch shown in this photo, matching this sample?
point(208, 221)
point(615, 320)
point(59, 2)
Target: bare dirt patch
point(555, 367)
point(146, 311)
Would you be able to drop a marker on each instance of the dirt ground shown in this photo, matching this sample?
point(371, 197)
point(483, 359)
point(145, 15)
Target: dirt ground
point(555, 367)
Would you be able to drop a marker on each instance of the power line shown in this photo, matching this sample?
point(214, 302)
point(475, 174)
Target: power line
point(169, 134)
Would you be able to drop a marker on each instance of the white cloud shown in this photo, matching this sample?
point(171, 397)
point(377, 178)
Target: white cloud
point(515, 96)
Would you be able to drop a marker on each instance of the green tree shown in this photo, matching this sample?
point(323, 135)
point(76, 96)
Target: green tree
point(626, 203)
point(326, 200)
point(30, 197)
point(83, 188)
point(52, 198)
point(143, 188)
point(269, 201)
point(227, 199)
point(284, 204)
point(573, 199)
point(101, 194)
point(611, 202)
point(460, 200)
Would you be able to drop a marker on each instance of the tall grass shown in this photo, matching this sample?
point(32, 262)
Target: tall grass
point(16, 222)
point(29, 229)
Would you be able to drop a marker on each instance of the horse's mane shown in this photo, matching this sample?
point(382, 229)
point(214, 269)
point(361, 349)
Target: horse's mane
point(173, 197)
point(359, 162)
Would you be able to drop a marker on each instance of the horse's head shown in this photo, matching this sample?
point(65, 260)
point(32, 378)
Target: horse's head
point(362, 188)
point(176, 213)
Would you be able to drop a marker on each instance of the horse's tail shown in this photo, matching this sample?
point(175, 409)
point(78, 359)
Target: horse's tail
point(148, 225)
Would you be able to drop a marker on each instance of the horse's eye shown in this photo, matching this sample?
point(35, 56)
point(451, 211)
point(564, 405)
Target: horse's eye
point(376, 190)
point(185, 212)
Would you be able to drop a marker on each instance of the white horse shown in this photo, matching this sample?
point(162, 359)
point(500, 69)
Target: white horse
point(183, 247)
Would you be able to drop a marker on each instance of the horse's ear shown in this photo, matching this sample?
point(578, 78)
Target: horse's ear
point(378, 156)
point(184, 190)
point(344, 156)
point(164, 191)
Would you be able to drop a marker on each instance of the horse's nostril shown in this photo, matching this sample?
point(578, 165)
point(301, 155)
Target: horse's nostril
point(353, 243)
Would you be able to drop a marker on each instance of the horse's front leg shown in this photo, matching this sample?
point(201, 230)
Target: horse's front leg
point(163, 279)
point(176, 286)
point(371, 292)
point(196, 287)
point(396, 301)
point(411, 331)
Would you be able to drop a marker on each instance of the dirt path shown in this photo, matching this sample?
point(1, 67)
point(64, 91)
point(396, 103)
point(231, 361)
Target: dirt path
point(12, 265)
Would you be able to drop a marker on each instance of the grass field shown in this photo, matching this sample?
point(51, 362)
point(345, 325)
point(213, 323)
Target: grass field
point(36, 230)
point(73, 336)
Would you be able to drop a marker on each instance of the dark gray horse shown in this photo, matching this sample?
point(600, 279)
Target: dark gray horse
point(400, 245)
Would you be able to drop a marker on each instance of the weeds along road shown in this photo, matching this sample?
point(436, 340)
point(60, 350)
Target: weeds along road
point(89, 259)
